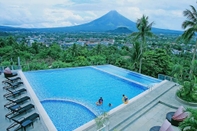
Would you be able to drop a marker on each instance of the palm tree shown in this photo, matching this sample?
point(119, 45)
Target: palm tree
point(190, 26)
point(144, 30)
point(74, 50)
point(136, 55)
point(178, 71)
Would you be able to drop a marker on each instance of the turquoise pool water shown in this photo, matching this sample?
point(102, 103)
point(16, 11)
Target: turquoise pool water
point(133, 76)
point(69, 95)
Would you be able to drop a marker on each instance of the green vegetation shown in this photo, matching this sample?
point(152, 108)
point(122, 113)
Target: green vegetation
point(187, 78)
point(144, 30)
point(38, 56)
point(189, 91)
point(190, 26)
point(190, 123)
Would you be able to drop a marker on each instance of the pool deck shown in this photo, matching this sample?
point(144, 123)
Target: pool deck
point(140, 114)
point(38, 125)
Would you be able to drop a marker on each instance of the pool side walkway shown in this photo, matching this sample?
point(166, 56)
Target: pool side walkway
point(145, 112)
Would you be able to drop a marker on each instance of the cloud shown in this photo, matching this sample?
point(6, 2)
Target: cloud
point(165, 13)
point(54, 13)
point(62, 17)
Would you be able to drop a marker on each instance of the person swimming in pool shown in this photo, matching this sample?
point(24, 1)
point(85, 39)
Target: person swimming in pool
point(125, 99)
point(99, 102)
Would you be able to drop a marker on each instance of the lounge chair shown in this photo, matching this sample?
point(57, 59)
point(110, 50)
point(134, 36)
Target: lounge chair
point(18, 110)
point(14, 93)
point(12, 85)
point(23, 122)
point(10, 75)
point(166, 126)
point(17, 101)
point(12, 80)
point(176, 117)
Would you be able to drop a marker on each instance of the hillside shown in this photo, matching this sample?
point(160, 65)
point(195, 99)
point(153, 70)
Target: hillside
point(124, 30)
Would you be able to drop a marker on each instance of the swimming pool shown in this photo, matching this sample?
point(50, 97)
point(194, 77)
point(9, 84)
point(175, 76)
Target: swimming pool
point(69, 95)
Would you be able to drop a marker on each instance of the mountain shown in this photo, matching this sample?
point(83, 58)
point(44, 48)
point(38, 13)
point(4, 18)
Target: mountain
point(8, 28)
point(121, 30)
point(110, 21)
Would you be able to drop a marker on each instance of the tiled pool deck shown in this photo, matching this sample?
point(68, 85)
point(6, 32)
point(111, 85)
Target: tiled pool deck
point(139, 115)
point(38, 125)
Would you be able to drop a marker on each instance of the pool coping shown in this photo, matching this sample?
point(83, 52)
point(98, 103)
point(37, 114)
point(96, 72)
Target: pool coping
point(46, 119)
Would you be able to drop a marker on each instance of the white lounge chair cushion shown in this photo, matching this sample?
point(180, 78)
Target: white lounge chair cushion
point(181, 117)
point(178, 112)
point(7, 70)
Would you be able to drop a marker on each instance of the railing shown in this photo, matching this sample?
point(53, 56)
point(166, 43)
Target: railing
point(165, 77)
point(12, 67)
point(104, 128)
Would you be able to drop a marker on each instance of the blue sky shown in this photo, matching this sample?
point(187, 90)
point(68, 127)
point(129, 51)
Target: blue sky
point(166, 14)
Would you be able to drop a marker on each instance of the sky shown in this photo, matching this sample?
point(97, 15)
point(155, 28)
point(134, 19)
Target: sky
point(166, 14)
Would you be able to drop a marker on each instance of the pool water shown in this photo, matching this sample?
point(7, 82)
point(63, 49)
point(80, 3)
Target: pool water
point(61, 119)
point(133, 76)
point(70, 94)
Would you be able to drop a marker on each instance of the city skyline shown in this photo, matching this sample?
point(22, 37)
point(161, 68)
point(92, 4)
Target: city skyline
point(166, 14)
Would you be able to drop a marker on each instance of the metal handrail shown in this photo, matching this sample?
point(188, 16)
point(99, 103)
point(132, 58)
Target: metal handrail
point(12, 67)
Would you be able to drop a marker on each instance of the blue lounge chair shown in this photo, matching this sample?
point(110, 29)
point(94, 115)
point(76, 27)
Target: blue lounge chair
point(176, 117)
point(174, 122)
point(155, 128)
point(17, 101)
point(12, 80)
point(18, 110)
point(23, 122)
point(166, 126)
point(14, 93)
point(10, 75)
point(12, 85)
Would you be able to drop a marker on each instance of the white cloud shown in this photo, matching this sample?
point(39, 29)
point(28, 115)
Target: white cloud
point(61, 17)
point(54, 13)
point(132, 13)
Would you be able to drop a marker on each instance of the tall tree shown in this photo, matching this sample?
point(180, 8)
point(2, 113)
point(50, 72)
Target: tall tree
point(157, 62)
point(144, 30)
point(136, 56)
point(190, 26)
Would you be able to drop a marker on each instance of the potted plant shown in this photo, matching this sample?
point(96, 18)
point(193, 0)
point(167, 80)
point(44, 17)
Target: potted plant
point(102, 121)
point(188, 91)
